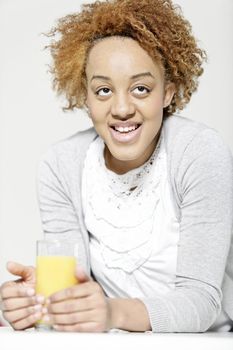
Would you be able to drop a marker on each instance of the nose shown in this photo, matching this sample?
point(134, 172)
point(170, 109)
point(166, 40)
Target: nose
point(122, 107)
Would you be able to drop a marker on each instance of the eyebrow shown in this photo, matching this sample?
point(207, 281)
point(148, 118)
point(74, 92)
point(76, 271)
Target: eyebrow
point(136, 76)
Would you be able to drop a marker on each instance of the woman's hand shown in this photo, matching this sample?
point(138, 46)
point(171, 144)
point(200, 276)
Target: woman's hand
point(20, 307)
point(81, 308)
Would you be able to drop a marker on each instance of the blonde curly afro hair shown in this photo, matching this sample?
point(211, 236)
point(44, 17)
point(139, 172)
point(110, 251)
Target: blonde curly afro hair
point(157, 25)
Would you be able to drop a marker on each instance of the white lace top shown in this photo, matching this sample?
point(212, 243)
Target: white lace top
point(132, 225)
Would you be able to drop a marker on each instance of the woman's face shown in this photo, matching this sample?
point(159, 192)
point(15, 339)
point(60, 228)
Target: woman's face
point(126, 95)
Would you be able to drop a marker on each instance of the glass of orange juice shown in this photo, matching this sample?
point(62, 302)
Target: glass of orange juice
point(55, 268)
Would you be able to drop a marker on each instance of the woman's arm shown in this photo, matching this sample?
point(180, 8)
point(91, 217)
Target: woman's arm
point(58, 215)
point(129, 314)
point(203, 181)
point(85, 308)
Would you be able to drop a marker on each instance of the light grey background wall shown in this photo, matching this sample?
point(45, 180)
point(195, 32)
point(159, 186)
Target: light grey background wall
point(31, 117)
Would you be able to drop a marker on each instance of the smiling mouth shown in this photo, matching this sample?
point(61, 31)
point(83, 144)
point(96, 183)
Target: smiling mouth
point(125, 130)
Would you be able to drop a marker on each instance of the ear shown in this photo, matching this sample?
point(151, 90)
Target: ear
point(168, 94)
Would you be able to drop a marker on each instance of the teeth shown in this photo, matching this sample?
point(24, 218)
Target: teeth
point(127, 129)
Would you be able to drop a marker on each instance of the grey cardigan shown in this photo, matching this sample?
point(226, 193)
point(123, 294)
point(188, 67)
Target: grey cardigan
point(200, 168)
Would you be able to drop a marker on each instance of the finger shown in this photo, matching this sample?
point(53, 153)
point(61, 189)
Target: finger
point(27, 322)
point(87, 327)
point(17, 315)
point(72, 318)
point(11, 304)
point(81, 275)
point(26, 272)
point(72, 305)
point(79, 291)
point(16, 291)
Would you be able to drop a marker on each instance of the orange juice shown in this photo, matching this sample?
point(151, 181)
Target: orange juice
point(54, 273)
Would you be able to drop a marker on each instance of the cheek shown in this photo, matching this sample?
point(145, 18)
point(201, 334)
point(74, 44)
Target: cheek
point(91, 103)
point(96, 115)
point(152, 109)
point(95, 110)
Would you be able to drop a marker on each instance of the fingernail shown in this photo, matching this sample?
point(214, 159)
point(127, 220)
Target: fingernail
point(30, 292)
point(56, 327)
point(79, 269)
point(44, 310)
point(46, 318)
point(37, 307)
point(40, 299)
point(37, 315)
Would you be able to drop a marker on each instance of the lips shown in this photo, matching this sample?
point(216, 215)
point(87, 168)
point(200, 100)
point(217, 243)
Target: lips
point(125, 136)
point(124, 124)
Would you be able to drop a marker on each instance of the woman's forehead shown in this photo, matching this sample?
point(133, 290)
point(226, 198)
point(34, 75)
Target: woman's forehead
point(119, 55)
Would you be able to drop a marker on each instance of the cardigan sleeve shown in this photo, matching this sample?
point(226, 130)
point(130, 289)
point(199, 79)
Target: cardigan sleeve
point(59, 218)
point(204, 184)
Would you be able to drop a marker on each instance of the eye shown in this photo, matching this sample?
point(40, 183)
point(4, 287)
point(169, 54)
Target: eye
point(141, 90)
point(103, 92)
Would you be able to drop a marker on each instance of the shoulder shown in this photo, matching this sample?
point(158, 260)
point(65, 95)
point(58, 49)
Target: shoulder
point(200, 165)
point(188, 139)
point(177, 129)
point(72, 148)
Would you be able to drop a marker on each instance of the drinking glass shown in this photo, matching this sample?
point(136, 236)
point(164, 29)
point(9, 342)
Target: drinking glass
point(55, 268)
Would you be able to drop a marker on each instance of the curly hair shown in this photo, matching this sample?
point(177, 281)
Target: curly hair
point(157, 25)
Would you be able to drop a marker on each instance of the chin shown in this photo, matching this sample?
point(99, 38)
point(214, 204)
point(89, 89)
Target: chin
point(125, 157)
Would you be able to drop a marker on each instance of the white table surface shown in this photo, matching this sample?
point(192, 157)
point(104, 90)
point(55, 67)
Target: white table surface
point(43, 340)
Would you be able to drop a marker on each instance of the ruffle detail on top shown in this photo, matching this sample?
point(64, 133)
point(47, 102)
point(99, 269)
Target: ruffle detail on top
point(125, 236)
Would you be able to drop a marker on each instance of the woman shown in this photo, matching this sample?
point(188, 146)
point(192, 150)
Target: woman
point(148, 194)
